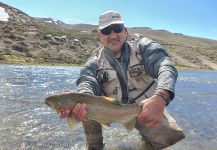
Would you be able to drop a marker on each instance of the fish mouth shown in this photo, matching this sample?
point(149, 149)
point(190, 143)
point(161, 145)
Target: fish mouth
point(47, 103)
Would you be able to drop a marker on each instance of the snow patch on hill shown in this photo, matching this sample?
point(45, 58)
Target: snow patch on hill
point(3, 15)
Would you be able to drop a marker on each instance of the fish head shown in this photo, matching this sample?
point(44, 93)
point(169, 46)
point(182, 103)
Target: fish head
point(59, 101)
point(53, 102)
point(67, 100)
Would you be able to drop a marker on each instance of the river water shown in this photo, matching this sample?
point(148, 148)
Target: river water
point(27, 123)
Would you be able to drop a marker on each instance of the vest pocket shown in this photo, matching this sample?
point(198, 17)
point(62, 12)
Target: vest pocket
point(111, 83)
point(112, 86)
point(141, 83)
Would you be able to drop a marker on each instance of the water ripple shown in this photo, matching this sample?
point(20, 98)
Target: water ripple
point(27, 123)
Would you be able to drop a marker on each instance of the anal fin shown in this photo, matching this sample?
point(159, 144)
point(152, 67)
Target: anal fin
point(130, 124)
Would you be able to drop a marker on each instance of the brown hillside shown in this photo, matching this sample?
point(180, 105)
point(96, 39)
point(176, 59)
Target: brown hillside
point(24, 39)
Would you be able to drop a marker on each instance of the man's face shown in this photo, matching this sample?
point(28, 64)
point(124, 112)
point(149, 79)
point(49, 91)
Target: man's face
point(111, 39)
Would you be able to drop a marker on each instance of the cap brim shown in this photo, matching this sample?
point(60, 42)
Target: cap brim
point(102, 26)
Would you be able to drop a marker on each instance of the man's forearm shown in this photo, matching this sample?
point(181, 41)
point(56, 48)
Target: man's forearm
point(167, 78)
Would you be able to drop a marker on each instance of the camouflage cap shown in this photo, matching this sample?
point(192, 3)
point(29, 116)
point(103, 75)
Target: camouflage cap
point(108, 18)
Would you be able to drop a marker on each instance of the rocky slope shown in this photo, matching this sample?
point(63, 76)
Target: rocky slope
point(24, 39)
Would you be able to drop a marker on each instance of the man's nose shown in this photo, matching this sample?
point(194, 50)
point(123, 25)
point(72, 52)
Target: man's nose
point(113, 34)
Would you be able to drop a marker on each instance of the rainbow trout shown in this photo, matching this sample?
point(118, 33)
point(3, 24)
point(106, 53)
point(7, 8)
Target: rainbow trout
point(101, 109)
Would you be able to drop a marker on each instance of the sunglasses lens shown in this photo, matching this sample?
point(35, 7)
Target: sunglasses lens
point(116, 29)
point(106, 31)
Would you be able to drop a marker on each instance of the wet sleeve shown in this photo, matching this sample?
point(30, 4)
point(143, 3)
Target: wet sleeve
point(158, 65)
point(87, 82)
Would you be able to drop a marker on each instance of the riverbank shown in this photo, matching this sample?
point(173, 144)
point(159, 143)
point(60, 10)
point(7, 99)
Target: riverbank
point(44, 64)
point(78, 65)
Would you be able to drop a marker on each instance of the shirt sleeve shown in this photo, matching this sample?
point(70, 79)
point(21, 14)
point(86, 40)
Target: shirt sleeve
point(87, 82)
point(158, 65)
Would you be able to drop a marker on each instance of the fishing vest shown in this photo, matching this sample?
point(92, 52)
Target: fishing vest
point(140, 84)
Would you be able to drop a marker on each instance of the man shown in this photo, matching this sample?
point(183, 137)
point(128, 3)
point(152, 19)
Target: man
point(139, 73)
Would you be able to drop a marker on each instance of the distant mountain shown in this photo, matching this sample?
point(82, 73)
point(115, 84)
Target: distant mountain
point(24, 39)
point(83, 27)
point(79, 27)
point(51, 21)
point(144, 28)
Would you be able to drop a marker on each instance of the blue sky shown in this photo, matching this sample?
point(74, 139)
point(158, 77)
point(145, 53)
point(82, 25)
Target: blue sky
point(190, 17)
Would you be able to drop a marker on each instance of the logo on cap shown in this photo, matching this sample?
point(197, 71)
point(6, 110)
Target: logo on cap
point(115, 16)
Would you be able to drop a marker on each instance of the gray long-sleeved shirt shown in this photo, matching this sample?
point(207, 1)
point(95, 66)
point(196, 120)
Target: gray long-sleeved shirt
point(155, 60)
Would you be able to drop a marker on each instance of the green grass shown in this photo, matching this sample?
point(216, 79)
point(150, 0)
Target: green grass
point(53, 31)
point(67, 32)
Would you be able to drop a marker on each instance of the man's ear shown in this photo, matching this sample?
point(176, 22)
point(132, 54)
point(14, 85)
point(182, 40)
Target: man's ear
point(126, 32)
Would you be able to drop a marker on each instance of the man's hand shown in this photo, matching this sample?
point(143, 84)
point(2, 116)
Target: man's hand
point(152, 112)
point(78, 112)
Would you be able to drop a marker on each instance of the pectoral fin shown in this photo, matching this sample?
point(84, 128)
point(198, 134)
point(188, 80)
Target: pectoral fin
point(71, 122)
point(105, 124)
point(130, 124)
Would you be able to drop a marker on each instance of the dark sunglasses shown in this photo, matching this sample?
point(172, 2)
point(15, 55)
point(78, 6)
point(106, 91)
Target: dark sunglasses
point(116, 29)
